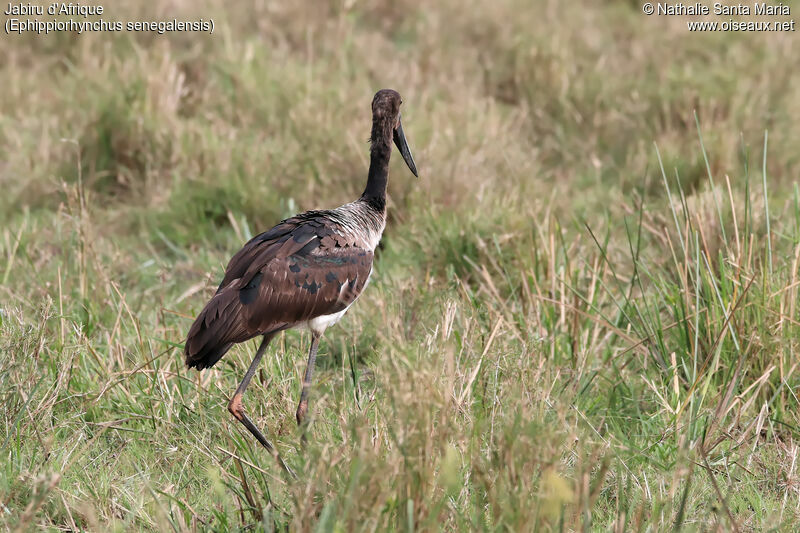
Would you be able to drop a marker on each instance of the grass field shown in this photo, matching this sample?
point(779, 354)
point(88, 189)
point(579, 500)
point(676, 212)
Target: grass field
point(583, 315)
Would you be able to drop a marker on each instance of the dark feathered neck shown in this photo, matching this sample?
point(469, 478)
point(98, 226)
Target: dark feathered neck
point(380, 150)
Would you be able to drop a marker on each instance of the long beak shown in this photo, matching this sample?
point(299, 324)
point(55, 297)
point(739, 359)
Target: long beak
point(402, 145)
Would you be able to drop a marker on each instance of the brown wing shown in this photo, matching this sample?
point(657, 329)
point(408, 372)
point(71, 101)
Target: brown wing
point(302, 268)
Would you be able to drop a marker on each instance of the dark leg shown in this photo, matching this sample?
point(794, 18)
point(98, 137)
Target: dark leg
point(237, 410)
point(302, 407)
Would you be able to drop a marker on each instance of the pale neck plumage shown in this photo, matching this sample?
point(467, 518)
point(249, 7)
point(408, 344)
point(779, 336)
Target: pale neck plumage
point(363, 222)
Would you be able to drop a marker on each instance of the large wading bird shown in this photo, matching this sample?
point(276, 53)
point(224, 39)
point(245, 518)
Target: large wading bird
point(305, 272)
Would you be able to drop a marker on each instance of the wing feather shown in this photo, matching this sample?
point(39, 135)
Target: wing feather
point(304, 267)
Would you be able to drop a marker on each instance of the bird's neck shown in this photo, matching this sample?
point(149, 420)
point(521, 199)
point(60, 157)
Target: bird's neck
point(380, 150)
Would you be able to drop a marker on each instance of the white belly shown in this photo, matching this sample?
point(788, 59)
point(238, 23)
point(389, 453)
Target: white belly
point(320, 323)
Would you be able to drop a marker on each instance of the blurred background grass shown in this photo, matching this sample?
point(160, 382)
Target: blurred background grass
point(583, 314)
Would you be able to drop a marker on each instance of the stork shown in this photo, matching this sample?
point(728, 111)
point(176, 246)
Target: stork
point(304, 272)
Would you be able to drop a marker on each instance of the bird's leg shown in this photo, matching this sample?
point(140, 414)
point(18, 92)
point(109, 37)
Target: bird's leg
point(237, 410)
point(302, 407)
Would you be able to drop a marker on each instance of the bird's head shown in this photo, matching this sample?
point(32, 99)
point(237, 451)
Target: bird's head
point(386, 115)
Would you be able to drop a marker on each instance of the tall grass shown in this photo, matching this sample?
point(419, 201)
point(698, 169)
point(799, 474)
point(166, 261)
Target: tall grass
point(583, 314)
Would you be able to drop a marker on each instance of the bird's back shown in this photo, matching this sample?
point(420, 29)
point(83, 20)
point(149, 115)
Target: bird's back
point(313, 264)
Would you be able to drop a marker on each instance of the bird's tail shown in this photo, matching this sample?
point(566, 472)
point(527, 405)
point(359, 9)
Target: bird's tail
point(214, 331)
